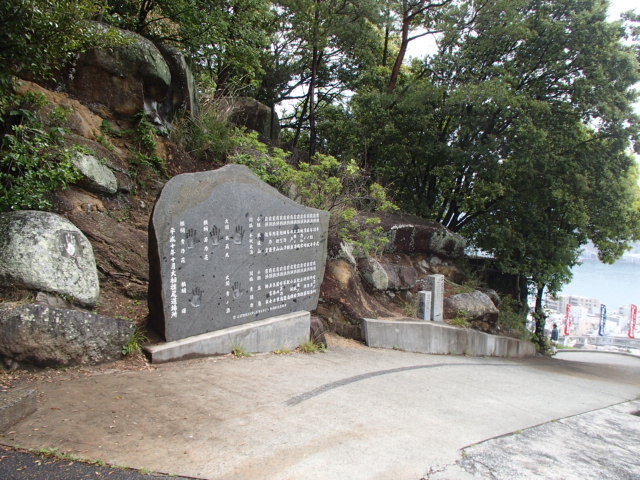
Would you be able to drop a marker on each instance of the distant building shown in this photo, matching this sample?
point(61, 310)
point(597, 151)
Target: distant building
point(590, 306)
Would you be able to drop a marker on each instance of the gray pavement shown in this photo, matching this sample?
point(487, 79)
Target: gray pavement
point(352, 412)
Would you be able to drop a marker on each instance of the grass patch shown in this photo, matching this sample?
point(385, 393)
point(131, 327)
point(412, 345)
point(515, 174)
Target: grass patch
point(67, 457)
point(461, 321)
point(312, 347)
point(239, 351)
point(136, 342)
point(410, 308)
point(283, 351)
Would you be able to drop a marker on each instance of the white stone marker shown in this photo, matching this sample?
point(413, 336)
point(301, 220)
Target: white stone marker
point(435, 284)
point(425, 305)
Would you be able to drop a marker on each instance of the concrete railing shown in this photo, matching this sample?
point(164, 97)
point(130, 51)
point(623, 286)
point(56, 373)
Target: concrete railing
point(614, 344)
point(440, 338)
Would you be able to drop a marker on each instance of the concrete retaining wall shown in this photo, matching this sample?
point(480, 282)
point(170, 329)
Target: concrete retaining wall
point(439, 338)
point(276, 333)
point(16, 405)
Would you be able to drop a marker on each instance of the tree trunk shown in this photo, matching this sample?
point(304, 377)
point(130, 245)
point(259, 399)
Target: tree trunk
point(313, 135)
point(299, 125)
point(539, 315)
point(315, 64)
point(385, 52)
point(395, 72)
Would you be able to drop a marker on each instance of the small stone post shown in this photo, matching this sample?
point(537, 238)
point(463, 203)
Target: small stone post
point(425, 305)
point(435, 284)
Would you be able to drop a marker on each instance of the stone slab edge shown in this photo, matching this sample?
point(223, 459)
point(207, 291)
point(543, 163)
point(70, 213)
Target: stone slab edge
point(438, 338)
point(16, 405)
point(275, 333)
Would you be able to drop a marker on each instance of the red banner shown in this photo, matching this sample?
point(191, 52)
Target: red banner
point(632, 321)
point(568, 321)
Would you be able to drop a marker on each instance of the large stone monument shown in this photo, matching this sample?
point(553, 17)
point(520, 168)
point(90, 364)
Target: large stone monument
point(227, 249)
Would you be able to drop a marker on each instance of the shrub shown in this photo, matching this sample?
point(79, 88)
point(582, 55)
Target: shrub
point(136, 342)
point(34, 162)
point(145, 136)
point(342, 188)
point(309, 346)
point(206, 137)
point(512, 320)
point(269, 164)
point(462, 321)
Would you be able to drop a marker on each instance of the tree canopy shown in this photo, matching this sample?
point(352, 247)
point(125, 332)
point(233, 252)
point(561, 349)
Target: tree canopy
point(517, 130)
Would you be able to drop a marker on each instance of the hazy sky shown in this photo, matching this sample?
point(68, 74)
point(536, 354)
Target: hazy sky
point(618, 6)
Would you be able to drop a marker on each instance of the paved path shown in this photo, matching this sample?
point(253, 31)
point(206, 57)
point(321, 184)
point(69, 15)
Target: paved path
point(352, 412)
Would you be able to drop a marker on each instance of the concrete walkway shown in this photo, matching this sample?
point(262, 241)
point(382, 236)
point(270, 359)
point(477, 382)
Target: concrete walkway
point(353, 412)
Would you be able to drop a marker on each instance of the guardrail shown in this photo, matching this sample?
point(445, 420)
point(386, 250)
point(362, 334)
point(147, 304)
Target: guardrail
point(613, 343)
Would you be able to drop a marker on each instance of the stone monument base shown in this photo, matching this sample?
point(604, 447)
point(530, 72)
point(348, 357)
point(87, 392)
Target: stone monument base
point(439, 338)
point(275, 333)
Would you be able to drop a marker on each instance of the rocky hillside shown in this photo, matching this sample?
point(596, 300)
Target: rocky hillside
point(121, 104)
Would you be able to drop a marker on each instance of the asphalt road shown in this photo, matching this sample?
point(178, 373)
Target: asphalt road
point(17, 465)
point(353, 412)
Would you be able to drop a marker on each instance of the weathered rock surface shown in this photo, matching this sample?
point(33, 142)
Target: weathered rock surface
point(401, 273)
point(120, 247)
point(345, 300)
point(124, 79)
point(81, 120)
point(131, 78)
point(476, 306)
point(248, 112)
point(388, 272)
point(115, 159)
point(373, 273)
point(44, 251)
point(410, 234)
point(97, 177)
point(493, 295)
point(45, 336)
point(183, 92)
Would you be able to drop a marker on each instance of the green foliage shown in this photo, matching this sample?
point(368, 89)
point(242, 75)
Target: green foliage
point(283, 351)
point(512, 319)
point(269, 164)
point(34, 161)
point(505, 135)
point(136, 342)
point(108, 129)
point(342, 188)
point(145, 154)
point(226, 38)
point(67, 457)
point(146, 133)
point(461, 321)
point(471, 282)
point(410, 307)
point(309, 346)
point(41, 36)
point(543, 345)
point(323, 47)
point(207, 137)
point(239, 351)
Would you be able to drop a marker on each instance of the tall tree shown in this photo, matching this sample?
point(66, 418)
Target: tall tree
point(413, 19)
point(516, 133)
point(225, 37)
point(38, 36)
point(328, 41)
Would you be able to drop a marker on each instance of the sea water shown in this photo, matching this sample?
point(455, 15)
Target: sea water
point(614, 285)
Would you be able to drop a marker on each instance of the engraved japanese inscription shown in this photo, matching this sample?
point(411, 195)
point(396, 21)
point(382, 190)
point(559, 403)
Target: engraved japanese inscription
point(228, 249)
